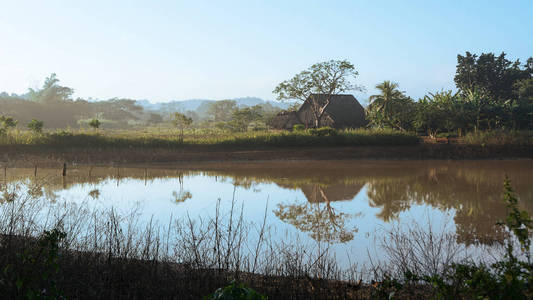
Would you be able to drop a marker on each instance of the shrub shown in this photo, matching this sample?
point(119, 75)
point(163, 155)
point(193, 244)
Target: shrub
point(235, 291)
point(323, 131)
point(36, 126)
point(7, 123)
point(298, 127)
point(33, 273)
point(95, 123)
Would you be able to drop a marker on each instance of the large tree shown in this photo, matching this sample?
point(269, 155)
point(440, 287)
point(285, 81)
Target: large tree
point(181, 121)
point(242, 117)
point(318, 84)
point(221, 111)
point(494, 76)
point(51, 91)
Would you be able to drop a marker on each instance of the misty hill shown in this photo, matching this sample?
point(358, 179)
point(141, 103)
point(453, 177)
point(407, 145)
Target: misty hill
point(194, 104)
point(54, 105)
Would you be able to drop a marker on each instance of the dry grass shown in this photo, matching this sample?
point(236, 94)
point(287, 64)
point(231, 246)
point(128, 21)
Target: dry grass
point(171, 140)
point(107, 254)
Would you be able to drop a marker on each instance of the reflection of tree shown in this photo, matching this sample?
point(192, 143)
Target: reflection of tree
point(319, 219)
point(390, 196)
point(182, 195)
point(95, 194)
point(474, 195)
point(470, 190)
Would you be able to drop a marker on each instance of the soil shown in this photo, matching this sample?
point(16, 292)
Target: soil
point(30, 156)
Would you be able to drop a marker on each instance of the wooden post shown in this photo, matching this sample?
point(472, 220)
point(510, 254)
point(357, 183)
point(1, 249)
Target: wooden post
point(145, 176)
point(35, 171)
point(64, 169)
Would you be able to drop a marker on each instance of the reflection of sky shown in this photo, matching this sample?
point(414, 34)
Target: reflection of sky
point(155, 198)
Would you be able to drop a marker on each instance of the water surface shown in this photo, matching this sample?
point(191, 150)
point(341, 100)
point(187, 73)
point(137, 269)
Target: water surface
point(347, 205)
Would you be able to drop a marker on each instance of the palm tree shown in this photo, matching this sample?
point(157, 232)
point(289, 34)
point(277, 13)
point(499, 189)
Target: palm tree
point(382, 103)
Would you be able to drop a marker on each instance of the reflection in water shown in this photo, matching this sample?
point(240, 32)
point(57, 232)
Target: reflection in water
point(181, 195)
point(317, 216)
point(95, 194)
point(320, 220)
point(470, 191)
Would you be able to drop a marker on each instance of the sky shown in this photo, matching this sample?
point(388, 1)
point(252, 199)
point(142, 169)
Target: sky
point(176, 50)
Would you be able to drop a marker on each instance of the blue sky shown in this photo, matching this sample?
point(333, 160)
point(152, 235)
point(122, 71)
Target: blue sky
point(165, 50)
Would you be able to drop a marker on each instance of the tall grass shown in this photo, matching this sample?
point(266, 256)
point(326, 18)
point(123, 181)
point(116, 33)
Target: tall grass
point(111, 254)
point(499, 138)
point(126, 139)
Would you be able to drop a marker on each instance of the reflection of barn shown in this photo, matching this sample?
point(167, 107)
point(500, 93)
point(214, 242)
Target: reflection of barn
point(344, 111)
point(336, 192)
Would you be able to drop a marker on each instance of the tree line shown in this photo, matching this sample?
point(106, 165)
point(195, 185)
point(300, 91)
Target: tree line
point(52, 106)
point(492, 93)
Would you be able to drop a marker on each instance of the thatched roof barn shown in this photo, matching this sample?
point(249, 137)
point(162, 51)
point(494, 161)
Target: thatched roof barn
point(344, 111)
point(284, 120)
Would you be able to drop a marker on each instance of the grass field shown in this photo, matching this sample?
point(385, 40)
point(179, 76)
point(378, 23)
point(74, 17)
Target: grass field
point(172, 139)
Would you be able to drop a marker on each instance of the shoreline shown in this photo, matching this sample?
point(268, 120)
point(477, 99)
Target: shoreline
point(43, 156)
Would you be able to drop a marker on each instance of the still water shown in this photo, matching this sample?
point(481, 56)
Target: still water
point(347, 205)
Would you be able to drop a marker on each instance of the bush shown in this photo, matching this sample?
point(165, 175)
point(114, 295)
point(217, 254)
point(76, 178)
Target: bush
point(323, 131)
point(34, 272)
point(235, 291)
point(298, 127)
point(36, 126)
point(95, 123)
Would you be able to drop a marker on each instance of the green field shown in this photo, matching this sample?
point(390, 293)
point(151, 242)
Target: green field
point(153, 138)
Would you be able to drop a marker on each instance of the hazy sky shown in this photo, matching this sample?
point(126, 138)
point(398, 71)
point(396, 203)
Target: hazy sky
point(164, 50)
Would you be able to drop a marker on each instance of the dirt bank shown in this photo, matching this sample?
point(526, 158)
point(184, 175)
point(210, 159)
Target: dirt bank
point(29, 156)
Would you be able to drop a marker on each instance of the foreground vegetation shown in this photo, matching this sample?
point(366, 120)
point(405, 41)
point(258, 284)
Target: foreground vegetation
point(69, 251)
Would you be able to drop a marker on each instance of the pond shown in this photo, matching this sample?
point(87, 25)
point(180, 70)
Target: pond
point(347, 205)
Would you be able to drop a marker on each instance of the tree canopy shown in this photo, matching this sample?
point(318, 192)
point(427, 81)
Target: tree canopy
point(51, 91)
point(325, 78)
point(495, 76)
point(493, 93)
point(391, 107)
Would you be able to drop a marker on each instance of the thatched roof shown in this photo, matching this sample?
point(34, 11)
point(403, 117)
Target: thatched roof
point(284, 120)
point(344, 111)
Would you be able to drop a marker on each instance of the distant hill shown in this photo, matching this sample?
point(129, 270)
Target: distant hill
point(194, 104)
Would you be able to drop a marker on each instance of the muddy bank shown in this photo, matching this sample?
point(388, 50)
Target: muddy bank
point(30, 156)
